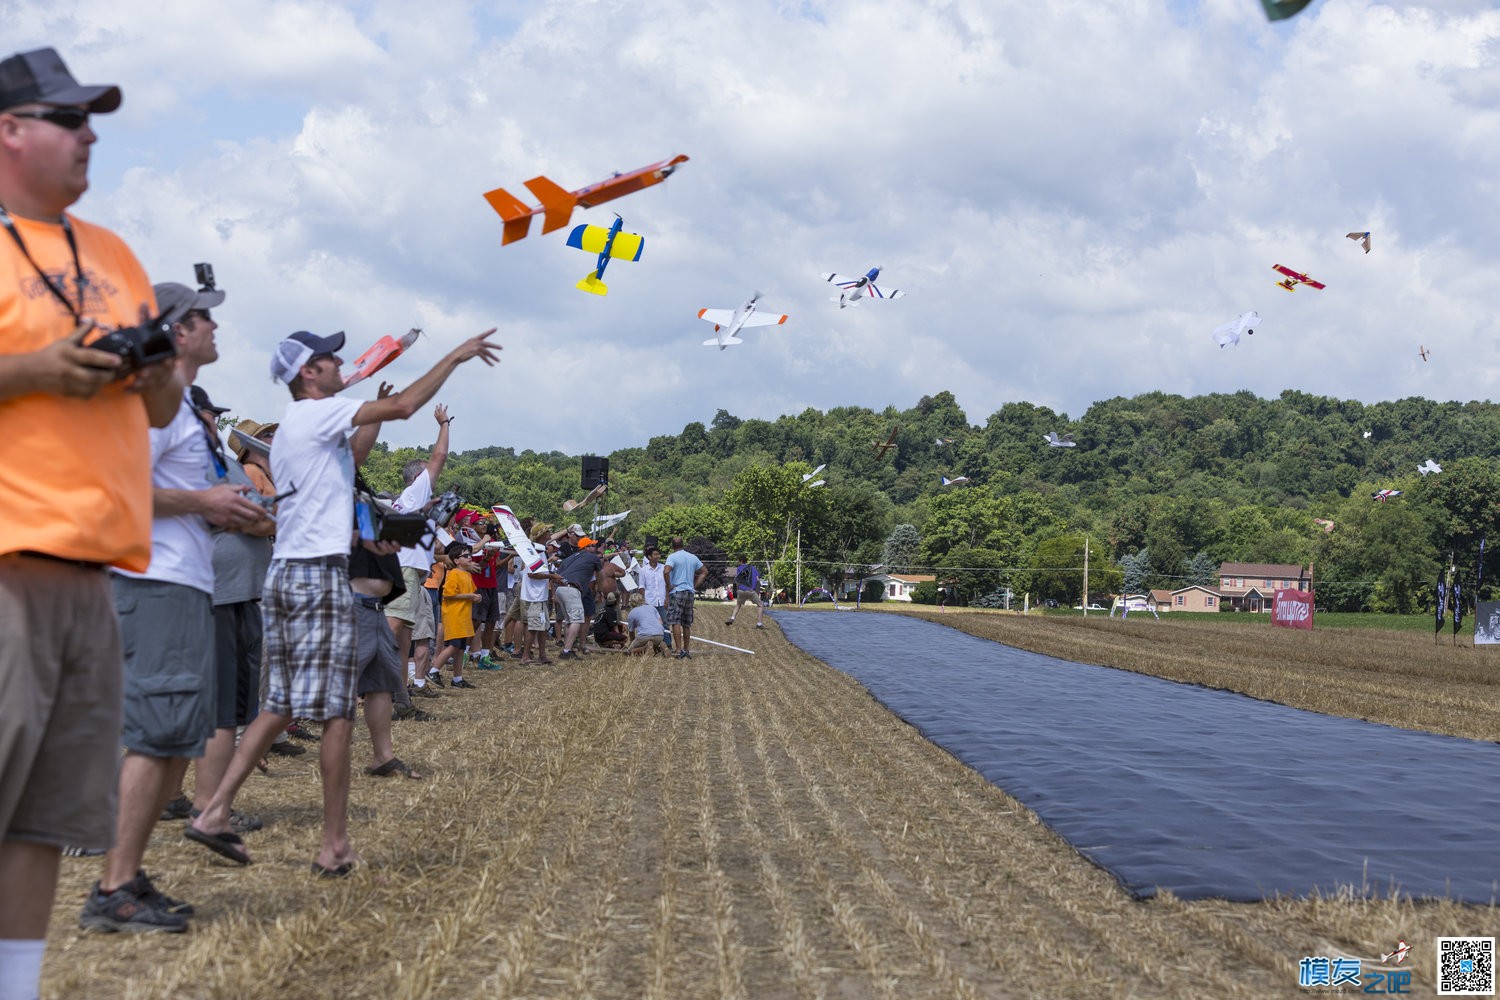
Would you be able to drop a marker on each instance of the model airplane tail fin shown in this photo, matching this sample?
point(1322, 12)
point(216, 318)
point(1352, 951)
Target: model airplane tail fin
point(591, 283)
point(557, 204)
point(517, 214)
point(714, 342)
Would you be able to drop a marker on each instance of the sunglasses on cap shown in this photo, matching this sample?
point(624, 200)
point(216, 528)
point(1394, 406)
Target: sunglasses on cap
point(71, 119)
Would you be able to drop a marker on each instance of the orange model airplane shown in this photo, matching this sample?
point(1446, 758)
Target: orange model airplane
point(557, 205)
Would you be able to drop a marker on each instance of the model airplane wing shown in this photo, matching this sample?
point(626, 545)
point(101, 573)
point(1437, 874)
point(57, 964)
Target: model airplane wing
point(955, 481)
point(1429, 466)
point(1422, 350)
point(594, 494)
point(557, 205)
point(718, 317)
point(808, 475)
point(256, 445)
point(1363, 239)
point(1384, 495)
point(764, 319)
point(593, 239)
point(604, 521)
point(1226, 334)
point(876, 292)
point(840, 280)
point(721, 344)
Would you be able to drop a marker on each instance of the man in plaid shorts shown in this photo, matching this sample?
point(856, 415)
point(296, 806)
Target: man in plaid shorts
point(310, 645)
point(685, 573)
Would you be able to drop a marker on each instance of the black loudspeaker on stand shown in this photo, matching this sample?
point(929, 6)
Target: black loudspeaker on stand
point(595, 471)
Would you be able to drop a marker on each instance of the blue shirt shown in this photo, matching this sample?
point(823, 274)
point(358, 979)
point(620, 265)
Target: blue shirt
point(684, 567)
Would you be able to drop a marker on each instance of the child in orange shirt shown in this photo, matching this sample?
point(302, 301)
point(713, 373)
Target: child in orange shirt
point(459, 597)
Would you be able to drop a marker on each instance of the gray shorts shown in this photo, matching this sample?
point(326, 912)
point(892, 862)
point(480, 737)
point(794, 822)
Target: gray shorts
point(237, 638)
point(167, 631)
point(379, 662)
point(642, 641)
point(60, 691)
point(535, 613)
point(570, 599)
point(415, 606)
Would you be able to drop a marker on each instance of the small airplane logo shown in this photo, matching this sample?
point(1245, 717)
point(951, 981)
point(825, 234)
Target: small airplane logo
point(881, 447)
point(955, 482)
point(808, 475)
point(1429, 466)
point(1295, 278)
point(1055, 440)
point(1363, 239)
point(1323, 523)
point(855, 289)
point(1422, 350)
point(606, 243)
point(384, 351)
point(1384, 495)
point(557, 205)
point(1399, 954)
point(728, 322)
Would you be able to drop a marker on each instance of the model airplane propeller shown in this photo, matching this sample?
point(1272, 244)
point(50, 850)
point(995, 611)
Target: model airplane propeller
point(854, 289)
point(606, 243)
point(557, 205)
point(1422, 350)
point(1363, 239)
point(1384, 495)
point(955, 481)
point(728, 322)
point(881, 447)
point(1230, 332)
point(1429, 466)
point(386, 350)
point(1294, 278)
point(1055, 440)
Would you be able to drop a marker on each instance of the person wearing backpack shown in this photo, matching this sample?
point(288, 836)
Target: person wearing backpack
point(747, 588)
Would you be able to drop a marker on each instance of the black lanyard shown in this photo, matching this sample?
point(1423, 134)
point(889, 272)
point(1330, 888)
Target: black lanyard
point(77, 265)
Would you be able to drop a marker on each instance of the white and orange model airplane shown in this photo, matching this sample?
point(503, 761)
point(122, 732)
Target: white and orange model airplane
point(557, 205)
point(728, 322)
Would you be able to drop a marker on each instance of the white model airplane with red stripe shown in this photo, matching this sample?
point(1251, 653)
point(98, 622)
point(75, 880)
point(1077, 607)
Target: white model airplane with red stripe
point(728, 322)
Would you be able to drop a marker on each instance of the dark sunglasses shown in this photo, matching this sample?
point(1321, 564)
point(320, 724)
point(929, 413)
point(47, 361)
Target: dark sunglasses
point(202, 313)
point(71, 119)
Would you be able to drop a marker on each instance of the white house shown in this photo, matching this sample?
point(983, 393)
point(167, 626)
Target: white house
point(898, 586)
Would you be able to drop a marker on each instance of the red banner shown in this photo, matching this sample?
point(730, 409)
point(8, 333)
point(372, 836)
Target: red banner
point(1293, 609)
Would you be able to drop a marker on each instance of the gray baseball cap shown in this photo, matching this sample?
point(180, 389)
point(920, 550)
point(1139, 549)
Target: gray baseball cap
point(176, 301)
point(42, 76)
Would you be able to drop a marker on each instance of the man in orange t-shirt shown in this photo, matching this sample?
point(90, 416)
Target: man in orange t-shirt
point(77, 462)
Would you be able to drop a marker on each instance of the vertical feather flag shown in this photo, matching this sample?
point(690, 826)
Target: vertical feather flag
point(1442, 597)
point(1479, 576)
point(1458, 606)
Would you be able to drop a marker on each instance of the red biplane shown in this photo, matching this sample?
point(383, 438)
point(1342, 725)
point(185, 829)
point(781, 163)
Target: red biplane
point(557, 205)
point(1293, 279)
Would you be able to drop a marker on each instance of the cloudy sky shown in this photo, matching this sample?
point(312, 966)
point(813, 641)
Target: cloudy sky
point(1073, 194)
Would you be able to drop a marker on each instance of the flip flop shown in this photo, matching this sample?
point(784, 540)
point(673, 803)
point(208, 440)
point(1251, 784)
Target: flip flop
point(226, 845)
point(393, 766)
point(342, 871)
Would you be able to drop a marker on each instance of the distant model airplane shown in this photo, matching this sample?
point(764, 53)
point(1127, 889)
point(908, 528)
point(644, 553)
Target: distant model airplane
point(955, 482)
point(1399, 954)
point(881, 447)
point(1422, 350)
point(1229, 333)
point(594, 494)
point(1368, 433)
point(1384, 495)
point(808, 475)
point(854, 289)
point(1361, 238)
point(1056, 440)
point(1429, 466)
point(940, 442)
point(728, 322)
point(1323, 523)
point(606, 243)
point(386, 350)
point(1295, 278)
point(603, 521)
point(557, 205)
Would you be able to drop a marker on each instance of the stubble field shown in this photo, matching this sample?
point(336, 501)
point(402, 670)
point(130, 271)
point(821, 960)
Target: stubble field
point(753, 826)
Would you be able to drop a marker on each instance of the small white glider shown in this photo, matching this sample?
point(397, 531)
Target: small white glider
point(608, 520)
point(728, 322)
point(1231, 332)
point(1368, 433)
point(1056, 440)
point(808, 475)
point(955, 482)
point(1429, 466)
point(854, 289)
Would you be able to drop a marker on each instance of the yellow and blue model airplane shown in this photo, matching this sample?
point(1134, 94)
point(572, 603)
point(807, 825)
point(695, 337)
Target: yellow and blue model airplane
point(606, 243)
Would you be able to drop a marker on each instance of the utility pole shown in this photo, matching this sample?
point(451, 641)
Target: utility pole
point(799, 566)
point(1085, 576)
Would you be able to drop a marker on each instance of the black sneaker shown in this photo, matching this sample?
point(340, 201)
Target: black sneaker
point(567, 654)
point(683, 654)
point(179, 808)
point(411, 713)
point(287, 748)
point(154, 896)
point(298, 731)
point(127, 910)
point(425, 691)
point(434, 678)
point(729, 622)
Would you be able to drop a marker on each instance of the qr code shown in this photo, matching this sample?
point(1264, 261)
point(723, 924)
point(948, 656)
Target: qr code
point(1466, 966)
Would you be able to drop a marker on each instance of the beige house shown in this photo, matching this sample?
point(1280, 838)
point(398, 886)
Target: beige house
point(1253, 586)
point(898, 586)
point(1192, 598)
point(1162, 599)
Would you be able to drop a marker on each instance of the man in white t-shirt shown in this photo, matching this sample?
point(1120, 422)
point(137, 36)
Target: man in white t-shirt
point(310, 647)
point(166, 622)
point(410, 615)
point(652, 576)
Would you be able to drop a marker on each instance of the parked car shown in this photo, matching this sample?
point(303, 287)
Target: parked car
point(1092, 607)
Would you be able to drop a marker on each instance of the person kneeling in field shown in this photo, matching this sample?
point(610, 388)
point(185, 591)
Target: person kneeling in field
point(646, 630)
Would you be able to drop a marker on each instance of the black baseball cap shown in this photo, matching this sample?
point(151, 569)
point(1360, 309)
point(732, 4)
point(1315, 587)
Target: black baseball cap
point(200, 399)
point(41, 76)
